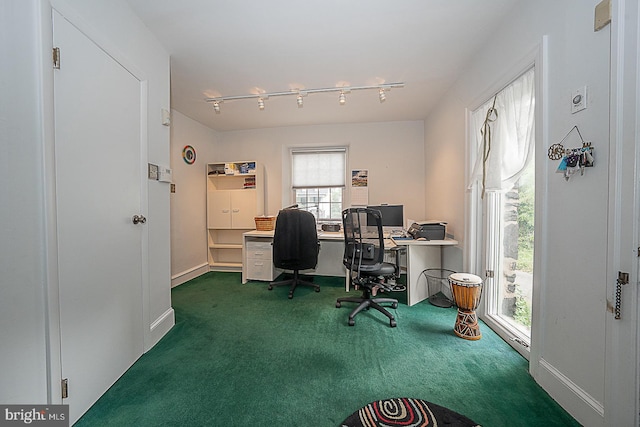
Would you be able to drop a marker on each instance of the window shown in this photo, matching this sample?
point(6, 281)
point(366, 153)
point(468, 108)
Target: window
point(318, 181)
point(503, 130)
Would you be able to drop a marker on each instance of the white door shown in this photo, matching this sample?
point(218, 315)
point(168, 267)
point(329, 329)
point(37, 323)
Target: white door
point(244, 206)
point(98, 187)
point(219, 209)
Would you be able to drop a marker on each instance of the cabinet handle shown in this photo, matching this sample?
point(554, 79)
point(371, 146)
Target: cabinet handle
point(236, 210)
point(225, 210)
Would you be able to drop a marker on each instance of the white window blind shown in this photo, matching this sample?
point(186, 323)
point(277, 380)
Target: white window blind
point(318, 168)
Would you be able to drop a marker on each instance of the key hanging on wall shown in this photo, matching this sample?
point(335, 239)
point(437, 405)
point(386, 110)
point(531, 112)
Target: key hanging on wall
point(572, 160)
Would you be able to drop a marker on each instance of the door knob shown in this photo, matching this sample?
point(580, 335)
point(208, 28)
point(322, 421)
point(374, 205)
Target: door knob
point(139, 219)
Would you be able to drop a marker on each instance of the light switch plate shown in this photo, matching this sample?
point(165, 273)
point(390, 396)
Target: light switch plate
point(579, 99)
point(153, 172)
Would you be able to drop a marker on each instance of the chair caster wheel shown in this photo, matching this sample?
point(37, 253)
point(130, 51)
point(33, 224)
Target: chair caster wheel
point(394, 305)
point(352, 322)
point(290, 296)
point(270, 288)
point(393, 323)
point(317, 289)
point(338, 305)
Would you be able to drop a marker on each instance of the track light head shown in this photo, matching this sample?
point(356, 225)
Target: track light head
point(300, 101)
point(382, 95)
point(216, 107)
point(261, 104)
point(342, 99)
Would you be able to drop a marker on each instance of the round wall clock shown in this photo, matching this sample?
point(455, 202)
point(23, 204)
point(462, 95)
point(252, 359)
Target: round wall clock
point(189, 154)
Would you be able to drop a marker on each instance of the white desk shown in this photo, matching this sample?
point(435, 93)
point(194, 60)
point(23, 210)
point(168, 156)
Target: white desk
point(420, 255)
point(258, 265)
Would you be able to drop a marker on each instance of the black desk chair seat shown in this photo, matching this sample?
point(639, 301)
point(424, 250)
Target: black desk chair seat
point(295, 247)
point(364, 257)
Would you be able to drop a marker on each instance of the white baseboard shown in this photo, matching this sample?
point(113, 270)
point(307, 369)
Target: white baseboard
point(192, 273)
point(577, 402)
point(159, 328)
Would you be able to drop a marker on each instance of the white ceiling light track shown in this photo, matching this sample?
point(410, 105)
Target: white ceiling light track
point(300, 93)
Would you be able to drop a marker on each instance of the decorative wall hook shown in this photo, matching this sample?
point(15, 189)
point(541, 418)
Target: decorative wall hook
point(572, 159)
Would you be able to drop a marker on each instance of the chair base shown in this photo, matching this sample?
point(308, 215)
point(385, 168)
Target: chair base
point(365, 303)
point(294, 283)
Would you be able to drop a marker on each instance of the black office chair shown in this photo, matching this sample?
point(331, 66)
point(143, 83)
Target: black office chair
point(364, 257)
point(295, 246)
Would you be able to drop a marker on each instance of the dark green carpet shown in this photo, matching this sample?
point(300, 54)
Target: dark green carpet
point(241, 355)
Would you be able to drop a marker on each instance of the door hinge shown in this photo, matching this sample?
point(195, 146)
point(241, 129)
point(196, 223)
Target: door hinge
point(65, 388)
point(489, 274)
point(638, 251)
point(56, 58)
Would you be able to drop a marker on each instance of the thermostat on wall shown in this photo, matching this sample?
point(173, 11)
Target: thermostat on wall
point(164, 174)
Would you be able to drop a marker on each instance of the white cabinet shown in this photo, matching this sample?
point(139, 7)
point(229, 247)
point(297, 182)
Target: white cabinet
point(235, 196)
point(259, 260)
point(227, 209)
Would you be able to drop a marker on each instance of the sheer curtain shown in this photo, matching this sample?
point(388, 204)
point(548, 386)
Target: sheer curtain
point(511, 143)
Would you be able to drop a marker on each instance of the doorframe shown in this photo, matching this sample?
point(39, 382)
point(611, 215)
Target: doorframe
point(475, 215)
point(52, 285)
point(622, 354)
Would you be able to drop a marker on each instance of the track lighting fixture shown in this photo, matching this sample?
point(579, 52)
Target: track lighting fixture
point(342, 99)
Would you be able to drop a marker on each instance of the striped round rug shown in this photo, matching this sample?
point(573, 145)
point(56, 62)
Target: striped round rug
point(405, 412)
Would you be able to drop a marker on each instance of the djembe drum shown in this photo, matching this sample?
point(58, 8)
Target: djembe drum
point(466, 290)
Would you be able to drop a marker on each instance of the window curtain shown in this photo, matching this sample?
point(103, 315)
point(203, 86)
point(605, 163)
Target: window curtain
point(509, 143)
point(318, 168)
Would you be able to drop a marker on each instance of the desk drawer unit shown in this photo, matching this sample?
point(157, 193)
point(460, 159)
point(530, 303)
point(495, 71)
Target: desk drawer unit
point(259, 263)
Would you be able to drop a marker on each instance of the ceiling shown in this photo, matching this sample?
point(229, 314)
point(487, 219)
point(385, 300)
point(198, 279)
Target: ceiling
point(240, 47)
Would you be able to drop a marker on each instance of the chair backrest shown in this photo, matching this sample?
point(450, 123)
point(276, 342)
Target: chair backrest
point(295, 241)
point(363, 241)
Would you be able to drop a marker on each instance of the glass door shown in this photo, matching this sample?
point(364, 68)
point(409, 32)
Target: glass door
point(504, 177)
point(509, 258)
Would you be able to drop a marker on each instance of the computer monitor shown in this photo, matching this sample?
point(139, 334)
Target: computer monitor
point(392, 217)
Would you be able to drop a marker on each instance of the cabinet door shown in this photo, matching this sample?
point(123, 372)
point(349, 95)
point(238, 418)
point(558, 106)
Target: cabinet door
point(219, 209)
point(244, 206)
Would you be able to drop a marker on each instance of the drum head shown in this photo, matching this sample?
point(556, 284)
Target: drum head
point(465, 279)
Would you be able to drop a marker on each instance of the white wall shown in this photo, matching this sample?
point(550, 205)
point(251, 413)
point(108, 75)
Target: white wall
point(188, 204)
point(568, 356)
point(30, 371)
point(391, 151)
point(23, 376)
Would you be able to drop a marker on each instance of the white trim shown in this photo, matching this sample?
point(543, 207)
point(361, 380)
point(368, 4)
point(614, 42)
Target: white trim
point(52, 285)
point(191, 273)
point(622, 350)
point(541, 207)
point(160, 327)
point(585, 408)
